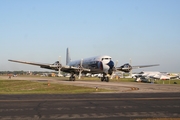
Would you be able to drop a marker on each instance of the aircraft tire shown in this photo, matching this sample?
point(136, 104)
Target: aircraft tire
point(107, 79)
point(102, 79)
point(73, 78)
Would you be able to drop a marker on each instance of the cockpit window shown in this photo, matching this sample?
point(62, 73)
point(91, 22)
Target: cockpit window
point(106, 59)
point(57, 62)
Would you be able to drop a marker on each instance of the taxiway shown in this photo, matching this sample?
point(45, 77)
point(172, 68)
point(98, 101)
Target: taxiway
point(125, 102)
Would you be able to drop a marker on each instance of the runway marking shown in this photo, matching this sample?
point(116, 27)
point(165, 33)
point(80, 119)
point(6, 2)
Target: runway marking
point(83, 107)
point(95, 115)
point(93, 99)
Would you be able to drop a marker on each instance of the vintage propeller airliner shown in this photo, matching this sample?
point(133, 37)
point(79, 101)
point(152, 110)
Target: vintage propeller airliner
point(96, 65)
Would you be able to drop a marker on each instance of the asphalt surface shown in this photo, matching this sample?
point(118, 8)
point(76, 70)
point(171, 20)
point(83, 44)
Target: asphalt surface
point(90, 106)
point(127, 101)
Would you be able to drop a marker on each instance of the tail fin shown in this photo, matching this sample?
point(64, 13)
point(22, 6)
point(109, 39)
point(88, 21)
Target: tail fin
point(68, 59)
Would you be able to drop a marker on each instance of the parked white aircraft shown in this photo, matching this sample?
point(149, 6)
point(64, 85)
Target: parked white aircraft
point(154, 75)
point(95, 65)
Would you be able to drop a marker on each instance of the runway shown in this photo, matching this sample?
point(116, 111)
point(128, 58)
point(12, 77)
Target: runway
point(90, 106)
point(148, 101)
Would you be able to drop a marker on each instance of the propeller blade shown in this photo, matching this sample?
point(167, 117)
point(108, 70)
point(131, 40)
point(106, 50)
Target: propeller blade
point(112, 75)
point(59, 66)
point(80, 69)
point(81, 63)
point(79, 75)
point(59, 72)
point(116, 63)
point(130, 72)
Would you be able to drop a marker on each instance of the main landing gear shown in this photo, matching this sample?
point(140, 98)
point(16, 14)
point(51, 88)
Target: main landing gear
point(72, 77)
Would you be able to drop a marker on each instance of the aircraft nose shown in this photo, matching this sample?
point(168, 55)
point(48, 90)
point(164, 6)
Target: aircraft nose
point(111, 64)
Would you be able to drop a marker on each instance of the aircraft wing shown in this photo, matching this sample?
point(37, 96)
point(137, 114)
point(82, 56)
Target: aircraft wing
point(42, 65)
point(54, 66)
point(31, 63)
point(142, 66)
point(127, 67)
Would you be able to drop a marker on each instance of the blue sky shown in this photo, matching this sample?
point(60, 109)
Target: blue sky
point(147, 31)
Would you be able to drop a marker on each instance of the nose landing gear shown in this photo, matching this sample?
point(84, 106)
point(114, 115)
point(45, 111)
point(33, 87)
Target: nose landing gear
point(105, 78)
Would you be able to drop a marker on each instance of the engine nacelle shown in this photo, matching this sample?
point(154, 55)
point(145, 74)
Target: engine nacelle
point(125, 68)
point(56, 65)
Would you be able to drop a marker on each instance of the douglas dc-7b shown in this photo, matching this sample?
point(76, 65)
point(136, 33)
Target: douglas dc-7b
point(95, 65)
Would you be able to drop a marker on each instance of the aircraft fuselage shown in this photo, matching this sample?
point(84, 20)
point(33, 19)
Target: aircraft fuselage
point(99, 64)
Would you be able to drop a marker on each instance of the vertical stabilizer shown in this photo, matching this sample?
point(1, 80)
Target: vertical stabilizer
point(67, 57)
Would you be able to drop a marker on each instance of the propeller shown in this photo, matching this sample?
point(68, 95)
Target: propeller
point(114, 69)
point(125, 68)
point(130, 72)
point(59, 66)
point(80, 69)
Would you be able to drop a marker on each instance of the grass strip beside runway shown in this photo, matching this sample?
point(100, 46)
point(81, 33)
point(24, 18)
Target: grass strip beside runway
point(31, 87)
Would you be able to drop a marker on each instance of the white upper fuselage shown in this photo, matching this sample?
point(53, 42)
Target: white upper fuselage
point(97, 64)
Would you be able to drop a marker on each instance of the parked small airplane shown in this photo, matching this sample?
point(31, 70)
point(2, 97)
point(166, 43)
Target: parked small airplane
point(154, 75)
point(95, 65)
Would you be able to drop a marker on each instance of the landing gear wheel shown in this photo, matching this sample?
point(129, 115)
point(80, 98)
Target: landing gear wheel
point(72, 78)
point(107, 79)
point(102, 79)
